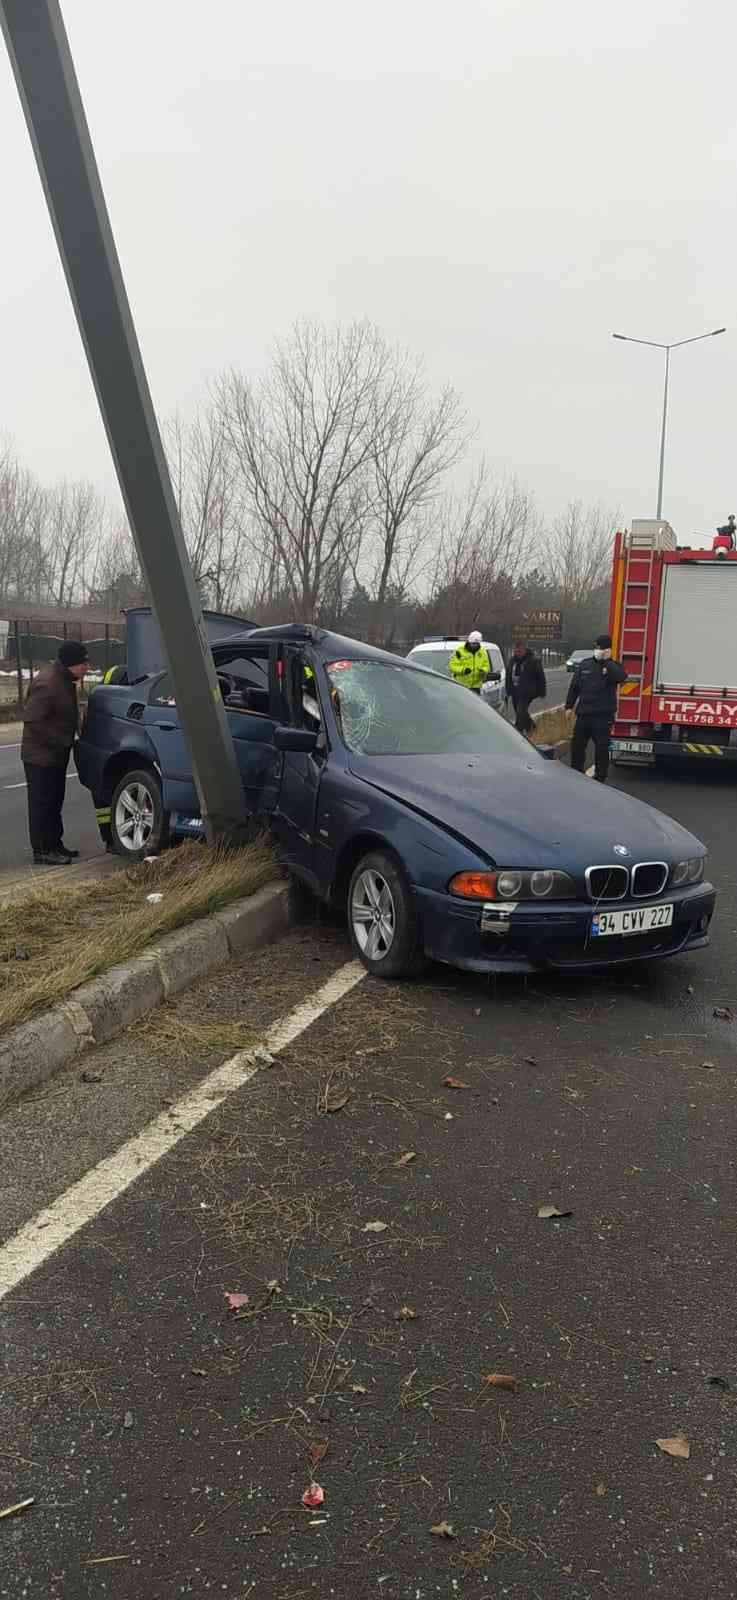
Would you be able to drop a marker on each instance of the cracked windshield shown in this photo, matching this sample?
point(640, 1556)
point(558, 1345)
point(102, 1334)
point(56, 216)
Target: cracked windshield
point(384, 709)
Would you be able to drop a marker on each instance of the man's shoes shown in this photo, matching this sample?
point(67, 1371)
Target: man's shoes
point(51, 858)
point(72, 854)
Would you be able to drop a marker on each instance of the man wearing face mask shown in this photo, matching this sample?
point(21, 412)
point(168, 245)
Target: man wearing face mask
point(470, 664)
point(593, 693)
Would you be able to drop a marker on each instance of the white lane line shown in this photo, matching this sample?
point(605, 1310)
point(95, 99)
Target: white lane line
point(23, 785)
point(54, 1226)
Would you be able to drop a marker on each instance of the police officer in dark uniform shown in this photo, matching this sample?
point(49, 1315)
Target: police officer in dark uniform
point(593, 693)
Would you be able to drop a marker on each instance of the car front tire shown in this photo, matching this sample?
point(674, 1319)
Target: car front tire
point(139, 825)
point(382, 918)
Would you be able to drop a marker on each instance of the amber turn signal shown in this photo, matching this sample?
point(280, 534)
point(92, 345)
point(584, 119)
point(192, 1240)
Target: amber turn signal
point(474, 885)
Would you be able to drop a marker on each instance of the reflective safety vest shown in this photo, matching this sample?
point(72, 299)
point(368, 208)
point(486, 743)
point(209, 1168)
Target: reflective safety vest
point(470, 667)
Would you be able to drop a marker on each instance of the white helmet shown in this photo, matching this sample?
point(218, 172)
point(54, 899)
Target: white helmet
point(474, 638)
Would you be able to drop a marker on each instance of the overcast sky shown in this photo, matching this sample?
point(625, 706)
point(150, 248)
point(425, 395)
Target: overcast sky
point(498, 183)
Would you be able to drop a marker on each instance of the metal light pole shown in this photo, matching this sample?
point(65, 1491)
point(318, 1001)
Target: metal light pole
point(655, 345)
point(44, 72)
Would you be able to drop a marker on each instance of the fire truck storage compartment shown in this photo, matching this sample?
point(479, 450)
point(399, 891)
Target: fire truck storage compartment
point(697, 644)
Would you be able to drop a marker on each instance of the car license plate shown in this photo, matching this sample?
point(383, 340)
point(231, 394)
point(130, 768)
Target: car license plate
point(640, 747)
point(637, 919)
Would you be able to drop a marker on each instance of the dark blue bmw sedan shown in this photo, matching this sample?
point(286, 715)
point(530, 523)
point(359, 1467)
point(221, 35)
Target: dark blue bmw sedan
point(401, 797)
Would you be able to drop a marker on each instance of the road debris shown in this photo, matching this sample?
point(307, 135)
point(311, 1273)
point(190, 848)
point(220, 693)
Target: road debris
point(313, 1497)
point(501, 1380)
point(552, 1211)
point(20, 1505)
point(404, 1161)
point(128, 1419)
point(154, 899)
point(262, 1056)
point(332, 1098)
point(454, 1083)
point(601, 1490)
point(720, 1383)
point(317, 1452)
point(677, 1446)
point(375, 1227)
point(235, 1299)
point(444, 1530)
point(724, 1014)
point(90, 1077)
point(405, 1314)
point(706, 1066)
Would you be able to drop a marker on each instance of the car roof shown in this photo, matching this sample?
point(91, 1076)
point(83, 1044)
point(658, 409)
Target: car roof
point(448, 644)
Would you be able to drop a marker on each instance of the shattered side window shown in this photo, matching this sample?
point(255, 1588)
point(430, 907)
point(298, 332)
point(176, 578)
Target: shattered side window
point(387, 709)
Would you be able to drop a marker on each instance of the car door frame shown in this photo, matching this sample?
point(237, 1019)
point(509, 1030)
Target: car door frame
point(303, 850)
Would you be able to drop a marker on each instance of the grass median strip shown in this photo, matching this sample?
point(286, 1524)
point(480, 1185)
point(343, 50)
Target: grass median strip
point(54, 940)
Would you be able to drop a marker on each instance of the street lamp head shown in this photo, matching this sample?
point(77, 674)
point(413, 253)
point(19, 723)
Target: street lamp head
point(715, 331)
point(619, 336)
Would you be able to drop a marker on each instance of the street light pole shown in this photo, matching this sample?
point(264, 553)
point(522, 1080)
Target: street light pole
point(52, 104)
point(662, 435)
point(656, 345)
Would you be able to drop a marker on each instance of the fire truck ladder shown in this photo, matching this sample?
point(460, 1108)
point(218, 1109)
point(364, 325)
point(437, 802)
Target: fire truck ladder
point(637, 602)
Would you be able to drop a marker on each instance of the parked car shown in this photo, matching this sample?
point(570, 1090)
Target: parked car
point(436, 654)
point(440, 830)
point(576, 657)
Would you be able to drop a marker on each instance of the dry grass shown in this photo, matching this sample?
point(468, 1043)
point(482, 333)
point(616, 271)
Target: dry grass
point(550, 726)
point(69, 938)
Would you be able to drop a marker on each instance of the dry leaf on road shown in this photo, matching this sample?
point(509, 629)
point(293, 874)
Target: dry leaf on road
point(500, 1380)
point(407, 1314)
point(317, 1452)
point(375, 1227)
point(444, 1530)
point(336, 1099)
point(235, 1300)
point(552, 1211)
point(454, 1083)
point(677, 1446)
point(404, 1161)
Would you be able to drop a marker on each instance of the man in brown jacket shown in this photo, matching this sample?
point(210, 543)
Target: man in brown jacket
point(51, 720)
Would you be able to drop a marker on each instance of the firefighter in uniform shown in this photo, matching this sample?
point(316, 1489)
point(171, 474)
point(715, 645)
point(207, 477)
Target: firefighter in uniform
point(593, 693)
point(470, 664)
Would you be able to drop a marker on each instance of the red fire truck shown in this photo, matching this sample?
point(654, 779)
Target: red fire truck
point(673, 621)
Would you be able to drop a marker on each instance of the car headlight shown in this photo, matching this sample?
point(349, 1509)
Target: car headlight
point(691, 871)
point(513, 884)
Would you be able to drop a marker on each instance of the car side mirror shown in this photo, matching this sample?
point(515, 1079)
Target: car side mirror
point(495, 677)
point(547, 751)
point(300, 741)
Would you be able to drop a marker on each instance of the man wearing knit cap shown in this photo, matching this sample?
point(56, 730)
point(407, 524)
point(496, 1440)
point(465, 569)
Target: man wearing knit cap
point(50, 724)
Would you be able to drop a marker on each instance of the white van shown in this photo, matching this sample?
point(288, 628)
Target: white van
point(436, 654)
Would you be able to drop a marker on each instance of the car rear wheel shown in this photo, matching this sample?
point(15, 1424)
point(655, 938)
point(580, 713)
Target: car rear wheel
point(138, 822)
point(382, 919)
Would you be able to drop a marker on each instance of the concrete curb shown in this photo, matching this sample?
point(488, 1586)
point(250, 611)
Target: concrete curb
point(94, 1013)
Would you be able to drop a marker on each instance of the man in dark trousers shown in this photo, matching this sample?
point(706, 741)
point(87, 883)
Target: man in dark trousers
point(50, 723)
point(593, 692)
point(525, 682)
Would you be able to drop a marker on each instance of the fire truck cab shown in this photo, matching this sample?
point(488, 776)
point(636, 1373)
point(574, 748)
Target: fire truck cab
point(673, 621)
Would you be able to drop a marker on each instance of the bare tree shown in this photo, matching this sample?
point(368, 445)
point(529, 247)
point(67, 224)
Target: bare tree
point(22, 527)
point(417, 440)
point(302, 436)
point(75, 516)
point(205, 478)
point(487, 536)
point(578, 551)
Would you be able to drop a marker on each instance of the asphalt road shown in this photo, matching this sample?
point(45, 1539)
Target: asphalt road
point(167, 1442)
